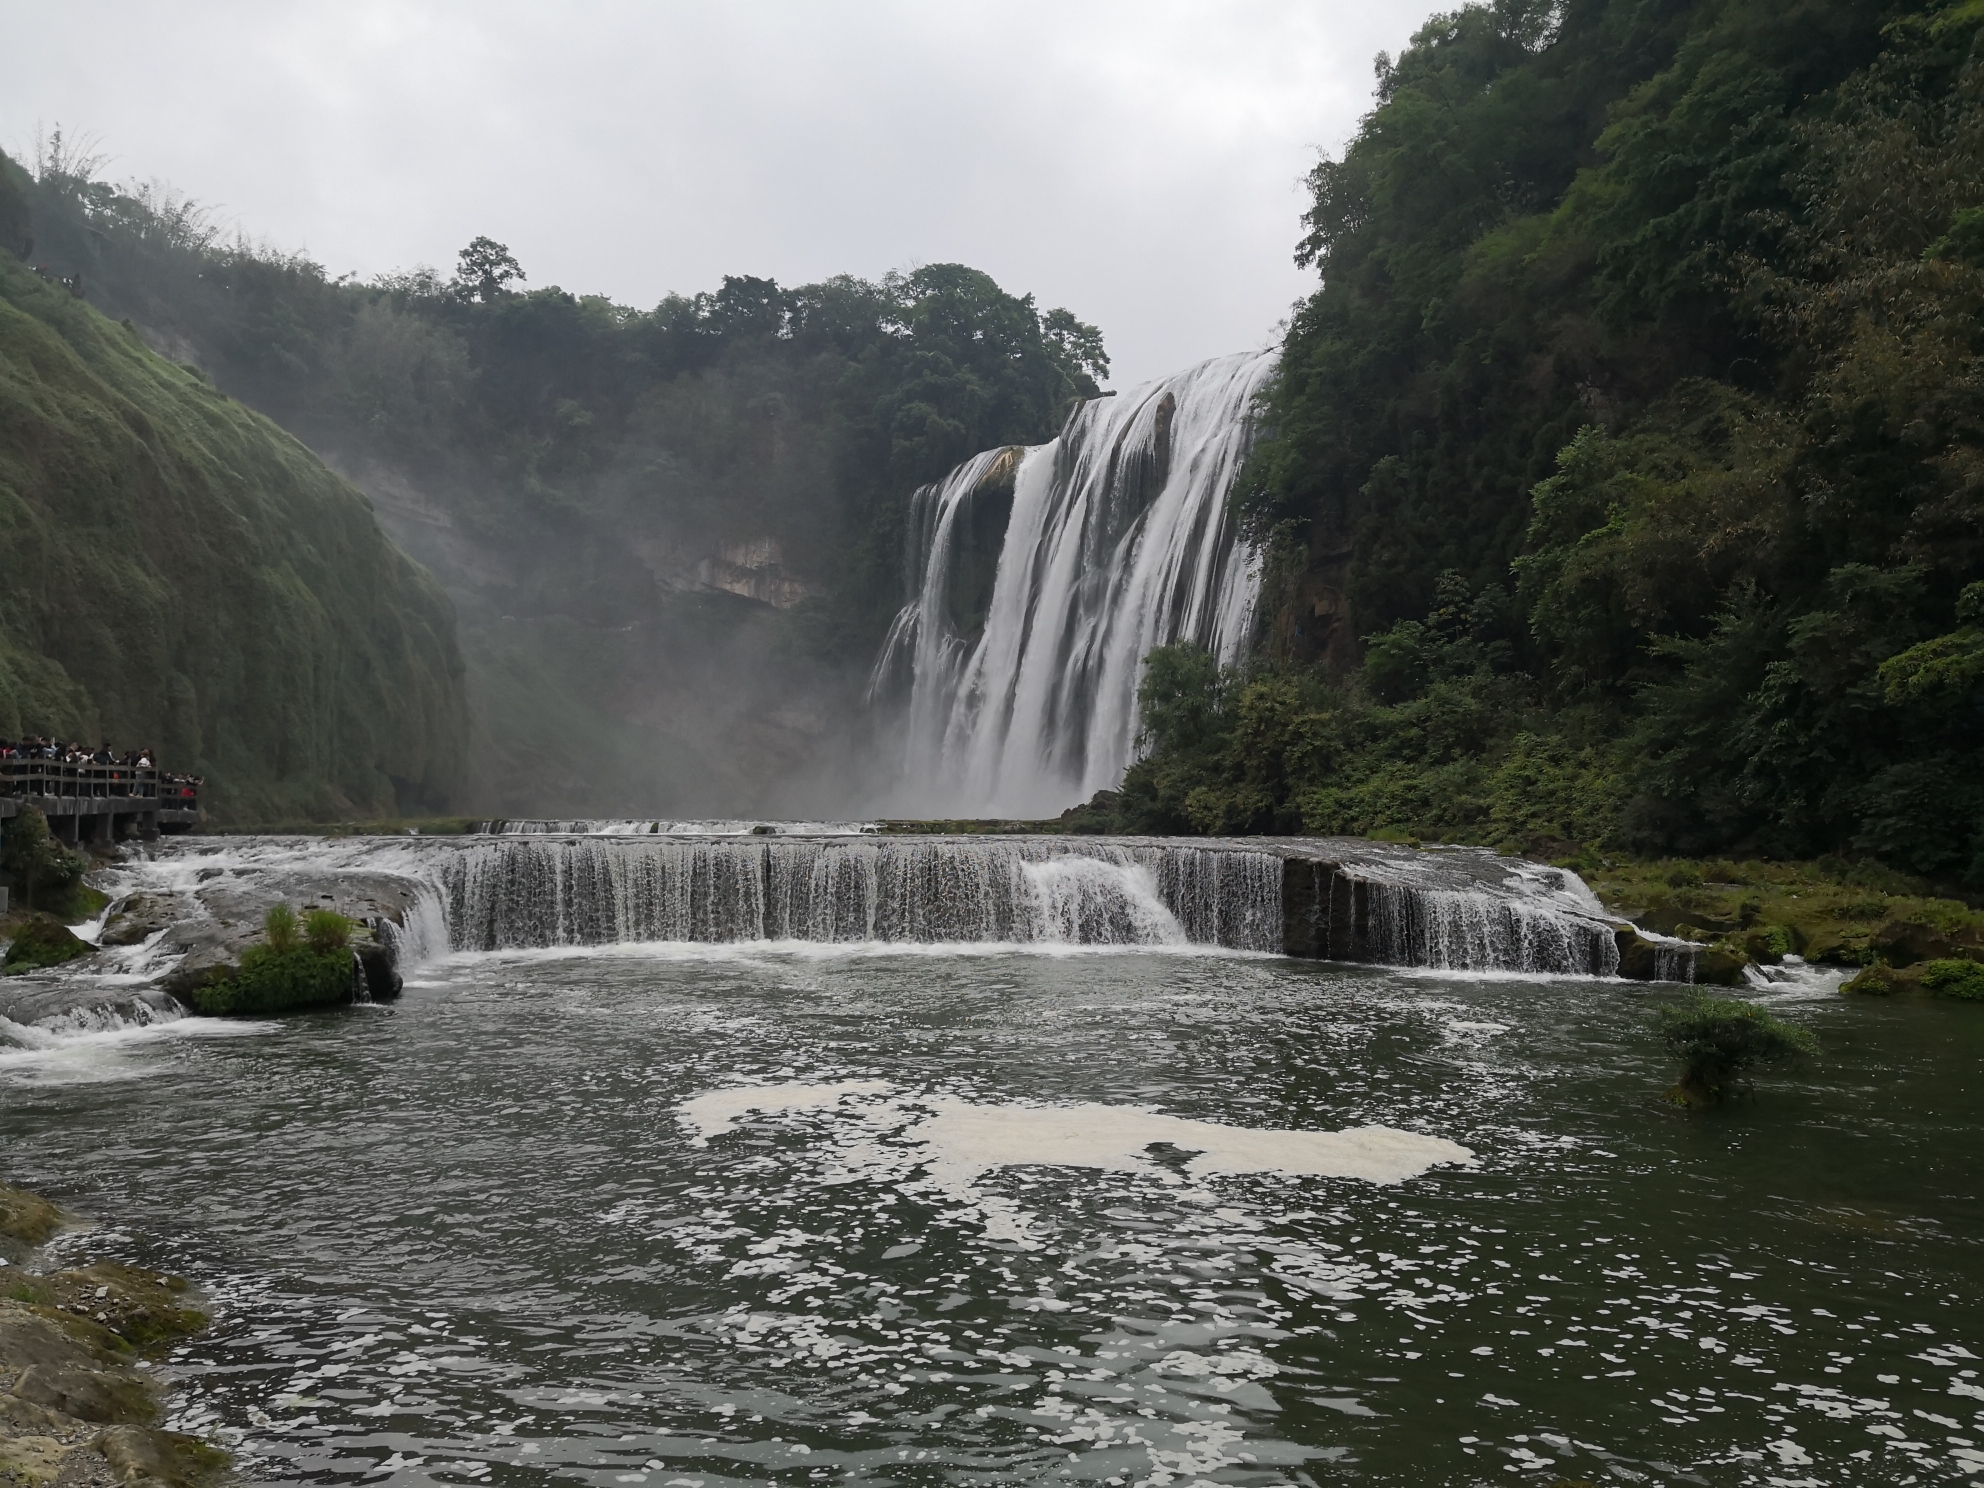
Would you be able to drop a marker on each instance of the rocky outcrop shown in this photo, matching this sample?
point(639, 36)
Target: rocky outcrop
point(206, 925)
point(78, 1398)
point(83, 1005)
point(1952, 977)
point(41, 941)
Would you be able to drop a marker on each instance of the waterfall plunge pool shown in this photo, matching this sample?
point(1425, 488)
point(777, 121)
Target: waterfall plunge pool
point(737, 1214)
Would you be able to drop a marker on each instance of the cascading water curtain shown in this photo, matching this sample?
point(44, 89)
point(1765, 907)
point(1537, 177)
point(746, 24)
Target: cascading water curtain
point(540, 891)
point(1043, 578)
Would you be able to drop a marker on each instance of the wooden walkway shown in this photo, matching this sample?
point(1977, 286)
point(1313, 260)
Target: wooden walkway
point(99, 803)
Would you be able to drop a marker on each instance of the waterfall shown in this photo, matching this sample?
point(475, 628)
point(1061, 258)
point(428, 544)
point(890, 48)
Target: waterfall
point(1457, 909)
point(665, 827)
point(1040, 578)
point(1333, 899)
point(540, 891)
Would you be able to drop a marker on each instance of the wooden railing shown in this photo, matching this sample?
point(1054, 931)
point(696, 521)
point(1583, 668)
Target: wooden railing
point(46, 777)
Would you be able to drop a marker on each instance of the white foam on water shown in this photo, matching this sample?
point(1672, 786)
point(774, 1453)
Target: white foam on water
point(758, 952)
point(1794, 980)
point(957, 1143)
point(116, 1050)
point(716, 1111)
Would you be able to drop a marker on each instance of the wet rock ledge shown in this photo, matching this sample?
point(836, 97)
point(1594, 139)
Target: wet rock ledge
point(78, 1398)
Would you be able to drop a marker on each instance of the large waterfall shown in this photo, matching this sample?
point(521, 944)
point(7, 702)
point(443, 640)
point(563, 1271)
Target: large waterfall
point(1040, 579)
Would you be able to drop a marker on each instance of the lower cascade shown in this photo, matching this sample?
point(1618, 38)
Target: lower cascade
point(598, 891)
point(1449, 909)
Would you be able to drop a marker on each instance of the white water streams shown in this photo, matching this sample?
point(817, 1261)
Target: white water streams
point(536, 891)
point(1042, 577)
point(669, 827)
point(1453, 910)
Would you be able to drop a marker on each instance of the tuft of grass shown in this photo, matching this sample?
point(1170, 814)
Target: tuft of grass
point(325, 931)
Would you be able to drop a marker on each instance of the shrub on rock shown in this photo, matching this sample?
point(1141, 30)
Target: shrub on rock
point(1961, 979)
point(1719, 1040)
point(277, 981)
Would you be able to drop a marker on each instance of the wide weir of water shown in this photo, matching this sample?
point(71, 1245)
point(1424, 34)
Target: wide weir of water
point(987, 1211)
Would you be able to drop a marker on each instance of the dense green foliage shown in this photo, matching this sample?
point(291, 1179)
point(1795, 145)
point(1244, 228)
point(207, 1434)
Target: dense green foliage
point(1625, 481)
point(673, 534)
point(43, 872)
point(1719, 1040)
point(1953, 977)
point(41, 940)
point(1960, 979)
point(273, 980)
point(184, 575)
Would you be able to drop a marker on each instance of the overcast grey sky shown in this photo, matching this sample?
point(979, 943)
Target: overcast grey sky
point(1136, 162)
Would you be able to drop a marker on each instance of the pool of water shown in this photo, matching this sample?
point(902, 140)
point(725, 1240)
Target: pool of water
point(512, 1229)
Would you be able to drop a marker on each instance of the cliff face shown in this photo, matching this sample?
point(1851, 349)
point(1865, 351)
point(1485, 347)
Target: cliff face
point(177, 571)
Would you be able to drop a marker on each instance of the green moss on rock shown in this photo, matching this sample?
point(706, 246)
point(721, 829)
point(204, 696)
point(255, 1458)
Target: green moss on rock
point(1951, 977)
point(1877, 980)
point(42, 941)
point(277, 981)
point(144, 1308)
point(139, 1455)
point(26, 1218)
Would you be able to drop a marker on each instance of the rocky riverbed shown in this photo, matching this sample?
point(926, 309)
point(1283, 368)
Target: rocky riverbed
point(79, 1391)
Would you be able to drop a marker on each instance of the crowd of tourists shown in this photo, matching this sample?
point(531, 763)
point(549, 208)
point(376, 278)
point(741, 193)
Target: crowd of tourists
point(35, 748)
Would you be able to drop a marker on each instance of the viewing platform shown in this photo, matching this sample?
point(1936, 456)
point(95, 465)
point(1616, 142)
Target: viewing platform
point(100, 803)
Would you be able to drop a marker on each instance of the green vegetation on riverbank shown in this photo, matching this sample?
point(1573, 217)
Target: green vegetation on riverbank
point(1623, 478)
point(41, 872)
point(183, 574)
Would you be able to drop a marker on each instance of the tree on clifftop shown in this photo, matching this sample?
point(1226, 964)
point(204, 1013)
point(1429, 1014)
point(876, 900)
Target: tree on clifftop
point(486, 269)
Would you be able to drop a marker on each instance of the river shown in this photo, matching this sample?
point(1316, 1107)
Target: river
point(729, 1214)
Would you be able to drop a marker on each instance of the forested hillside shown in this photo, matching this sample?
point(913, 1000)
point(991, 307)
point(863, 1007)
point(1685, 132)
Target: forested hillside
point(672, 535)
point(177, 572)
point(1625, 486)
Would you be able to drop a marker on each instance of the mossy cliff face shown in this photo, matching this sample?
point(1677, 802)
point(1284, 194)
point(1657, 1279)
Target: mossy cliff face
point(181, 573)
